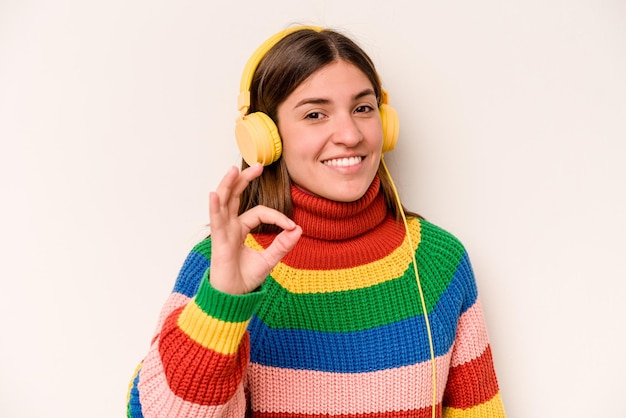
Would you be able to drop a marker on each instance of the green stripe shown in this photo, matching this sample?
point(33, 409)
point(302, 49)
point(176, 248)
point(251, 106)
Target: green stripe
point(438, 256)
point(229, 308)
point(340, 311)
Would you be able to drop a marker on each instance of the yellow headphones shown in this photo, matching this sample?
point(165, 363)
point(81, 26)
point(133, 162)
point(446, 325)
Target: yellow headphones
point(256, 133)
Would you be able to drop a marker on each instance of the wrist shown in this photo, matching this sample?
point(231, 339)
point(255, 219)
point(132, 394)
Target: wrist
point(233, 307)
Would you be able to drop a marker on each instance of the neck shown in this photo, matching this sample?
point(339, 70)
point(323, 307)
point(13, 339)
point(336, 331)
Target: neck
point(337, 235)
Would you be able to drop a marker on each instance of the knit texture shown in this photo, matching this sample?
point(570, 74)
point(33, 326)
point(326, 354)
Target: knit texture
point(337, 329)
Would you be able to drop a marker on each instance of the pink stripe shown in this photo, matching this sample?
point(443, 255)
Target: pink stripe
point(158, 400)
point(471, 336)
point(314, 392)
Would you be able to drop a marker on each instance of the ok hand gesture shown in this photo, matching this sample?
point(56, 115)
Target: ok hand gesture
point(235, 268)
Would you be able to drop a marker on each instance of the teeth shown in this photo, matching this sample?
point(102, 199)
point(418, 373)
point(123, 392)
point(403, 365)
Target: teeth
point(343, 162)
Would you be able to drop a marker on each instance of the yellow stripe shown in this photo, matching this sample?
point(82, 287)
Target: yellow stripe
point(214, 334)
point(321, 281)
point(490, 409)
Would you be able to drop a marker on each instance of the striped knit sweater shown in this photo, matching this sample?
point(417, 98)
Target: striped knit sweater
point(336, 330)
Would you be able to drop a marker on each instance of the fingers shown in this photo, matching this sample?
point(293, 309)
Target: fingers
point(262, 214)
point(224, 202)
point(234, 183)
point(245, 177)
point(235, 268)
point(214, 207)
point(282, 244)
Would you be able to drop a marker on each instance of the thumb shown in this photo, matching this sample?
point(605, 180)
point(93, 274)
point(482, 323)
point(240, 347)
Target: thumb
point(282, 244)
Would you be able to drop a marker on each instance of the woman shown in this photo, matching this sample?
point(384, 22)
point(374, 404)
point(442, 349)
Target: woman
point(309, 296)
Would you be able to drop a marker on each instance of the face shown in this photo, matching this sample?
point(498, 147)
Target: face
point(331, 133)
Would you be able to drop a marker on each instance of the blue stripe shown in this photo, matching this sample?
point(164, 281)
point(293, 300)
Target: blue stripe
point(464, 278)
point(134, 405)
point(390, 346)
point(191, 274)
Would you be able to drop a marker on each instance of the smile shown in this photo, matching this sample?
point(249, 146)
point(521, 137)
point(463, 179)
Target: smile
point(343, 162)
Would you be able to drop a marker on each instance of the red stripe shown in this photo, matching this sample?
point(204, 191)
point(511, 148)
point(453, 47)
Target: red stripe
point(195, 373)
point(471, 383)
point(420, 413)
point(310, 255)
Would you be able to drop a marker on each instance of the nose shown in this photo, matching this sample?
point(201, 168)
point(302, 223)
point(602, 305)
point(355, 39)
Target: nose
point(347, 131)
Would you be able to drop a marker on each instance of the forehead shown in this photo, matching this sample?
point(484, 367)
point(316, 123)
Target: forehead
point(337, 78)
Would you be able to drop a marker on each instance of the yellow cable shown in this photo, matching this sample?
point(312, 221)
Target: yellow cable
point(421, 292)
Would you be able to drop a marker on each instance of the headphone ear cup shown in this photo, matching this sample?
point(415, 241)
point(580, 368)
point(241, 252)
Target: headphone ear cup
point(391, 126)
point(258, 139)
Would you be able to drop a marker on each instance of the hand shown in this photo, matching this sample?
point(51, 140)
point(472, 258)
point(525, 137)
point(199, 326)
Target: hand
point(235, 268)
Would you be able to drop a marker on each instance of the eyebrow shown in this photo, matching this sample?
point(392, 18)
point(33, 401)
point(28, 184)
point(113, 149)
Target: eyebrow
point(321, 100)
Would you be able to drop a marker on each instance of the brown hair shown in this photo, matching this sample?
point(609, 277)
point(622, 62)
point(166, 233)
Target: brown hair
point(287, 64)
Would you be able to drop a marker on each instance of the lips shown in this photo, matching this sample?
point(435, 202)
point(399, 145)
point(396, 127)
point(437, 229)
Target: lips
point(343, 162)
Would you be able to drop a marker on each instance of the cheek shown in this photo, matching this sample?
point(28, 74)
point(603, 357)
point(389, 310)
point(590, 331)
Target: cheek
point(293, 154)
point(300, 145)
point(377, 130)
point(298, 159)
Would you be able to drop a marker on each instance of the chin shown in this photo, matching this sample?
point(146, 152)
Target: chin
point(346, 195)
point(338, 190)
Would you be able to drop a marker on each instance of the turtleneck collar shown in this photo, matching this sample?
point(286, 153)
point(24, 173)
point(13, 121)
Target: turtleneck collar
point(321, 218)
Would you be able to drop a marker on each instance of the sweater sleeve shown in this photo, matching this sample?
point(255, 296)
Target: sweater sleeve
point(200, 351)
point(472, 389)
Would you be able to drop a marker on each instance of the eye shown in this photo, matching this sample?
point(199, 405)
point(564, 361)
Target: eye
point(314, 115)
point(363, 109)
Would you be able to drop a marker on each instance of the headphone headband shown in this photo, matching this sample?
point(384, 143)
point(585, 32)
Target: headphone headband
point(243, 102)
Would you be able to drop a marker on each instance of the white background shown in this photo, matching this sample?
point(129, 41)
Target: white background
point(116, 120)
